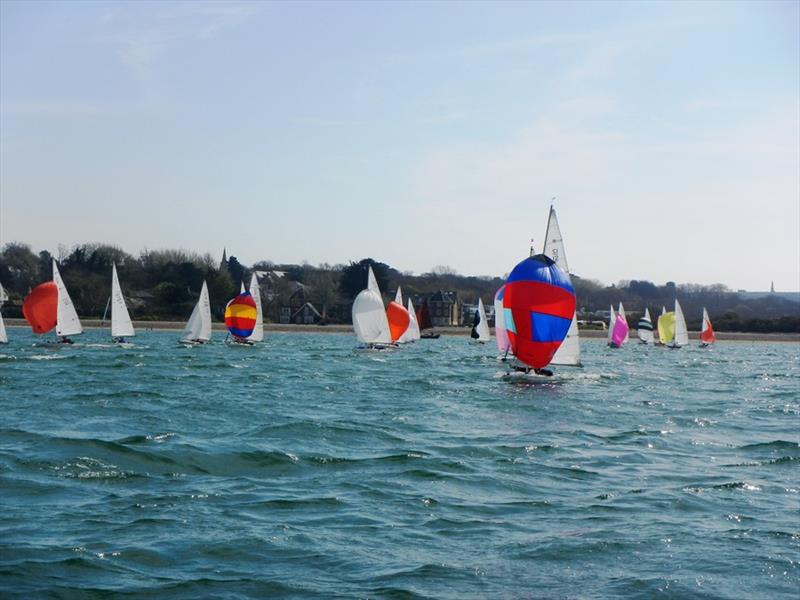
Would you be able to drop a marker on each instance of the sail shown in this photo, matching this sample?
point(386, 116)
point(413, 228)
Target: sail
point(242, 289)
point(67, 322)
point(681, 333)
point(424, 316)
point(666, 327)
point(480, 326)
point(193, 326)
point(240, 315)
point(3, 334)
point(372, 283)
point(369, 318)
point(398, 319)
point(644, 328)
point(619, 335)
point(398, 297)
point(569, 353)
point(204, 304)
point(255, 292)
point(3, 295)
point(412, 332)
point(500, 335)
point(621, 314)
point(612, 317)
point(707, 335)
point(40, 307)
point(539, 302)
point(121, 325)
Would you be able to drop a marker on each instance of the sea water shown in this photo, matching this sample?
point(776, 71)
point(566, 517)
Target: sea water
point(303, 468)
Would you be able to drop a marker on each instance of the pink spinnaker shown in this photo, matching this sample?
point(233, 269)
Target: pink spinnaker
point(620, 334)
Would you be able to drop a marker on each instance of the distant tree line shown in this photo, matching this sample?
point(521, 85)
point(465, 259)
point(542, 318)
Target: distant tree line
point(165, 284)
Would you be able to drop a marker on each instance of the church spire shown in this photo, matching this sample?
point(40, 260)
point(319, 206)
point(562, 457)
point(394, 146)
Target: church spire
point(223, 265)
point(772, 287)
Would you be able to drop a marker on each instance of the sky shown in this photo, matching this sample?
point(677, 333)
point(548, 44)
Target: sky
point(416, 133)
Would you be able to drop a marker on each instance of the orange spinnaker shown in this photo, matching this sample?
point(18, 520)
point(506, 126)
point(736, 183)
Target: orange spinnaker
point(40, 307)
point(398, 320)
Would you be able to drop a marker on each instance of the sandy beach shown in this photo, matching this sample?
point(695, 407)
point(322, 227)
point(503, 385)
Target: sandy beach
point(585, 333)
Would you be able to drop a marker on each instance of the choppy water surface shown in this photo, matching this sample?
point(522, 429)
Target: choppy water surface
point(302, 468)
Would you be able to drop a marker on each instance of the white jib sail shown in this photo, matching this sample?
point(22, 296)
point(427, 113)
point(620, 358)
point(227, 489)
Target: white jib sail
point(3, 295)
point(398, 297)
point(372, 283)
point(681, 333)
point(569, 353)
point(67, 322)
point(3, 334)
point(121, 325)
point(483, 325)
point(198, 327)
point(255, 292)
point(646, 335)
point(413, 326)
point(612, 318)
point(369, 318)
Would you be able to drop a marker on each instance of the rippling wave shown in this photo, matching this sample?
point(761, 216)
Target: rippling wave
point(302, 468)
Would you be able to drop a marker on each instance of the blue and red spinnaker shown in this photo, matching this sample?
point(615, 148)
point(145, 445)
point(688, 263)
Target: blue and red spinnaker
point(538, 304)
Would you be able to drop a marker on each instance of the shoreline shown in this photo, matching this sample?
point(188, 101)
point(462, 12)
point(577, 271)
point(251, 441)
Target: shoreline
point(727, 336)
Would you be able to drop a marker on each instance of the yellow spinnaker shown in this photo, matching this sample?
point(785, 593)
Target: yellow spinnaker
point(666, 327)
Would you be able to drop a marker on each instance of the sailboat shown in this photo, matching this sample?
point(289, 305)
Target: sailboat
point(644, 328)
point(198, 327)
point(500, 333)
point(240, 319)
point(369, 317)
point(539, 303)
point(612, 318)
point(619, 334)
point(49, 306)
point(666, 327)
point(398, 317)
point(425, 323)
point(412, 332)
point(258, 330)
point(707, 336)
point(3, 334)
point(121, 325)
point(681, 337)
point(569, 353)
point(480, 326)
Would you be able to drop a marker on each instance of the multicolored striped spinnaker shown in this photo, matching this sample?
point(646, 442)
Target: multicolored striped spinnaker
point(240, 315)
point(538, 303)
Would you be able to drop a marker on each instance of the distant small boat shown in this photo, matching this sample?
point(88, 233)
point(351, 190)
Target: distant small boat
point(619, 333)
point(240, 319)
point(398, 318)
point(49, 306)
point(660, 341)
point(672, 330)
point(644, 328)
point(369, 317)
point(707, 336)
point(480, 326)
point(198, 328)
point(612, 318)
point(412, 332)
point(121, 325)
point(425, 323)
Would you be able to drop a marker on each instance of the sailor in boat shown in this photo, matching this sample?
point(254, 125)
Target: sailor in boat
point(65, 340)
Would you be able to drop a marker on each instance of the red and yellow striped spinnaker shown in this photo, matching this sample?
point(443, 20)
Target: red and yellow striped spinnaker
point(240, 315)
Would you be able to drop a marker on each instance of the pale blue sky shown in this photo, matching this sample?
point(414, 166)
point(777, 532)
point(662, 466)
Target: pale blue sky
point(419, 134)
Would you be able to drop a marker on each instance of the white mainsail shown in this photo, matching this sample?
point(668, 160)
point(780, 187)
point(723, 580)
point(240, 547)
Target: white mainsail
point(482, 328)
point(121, 325)
point(681, 333)
point(255, 292)
point(67, 322)
point(3, 295)
point(413, 326)
point(369, 315)
point(3, 334)
point(569, 353)
point(612, 318)
point(198, 327)
point(408, 334)
point(644, 329)
point(621, 313)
